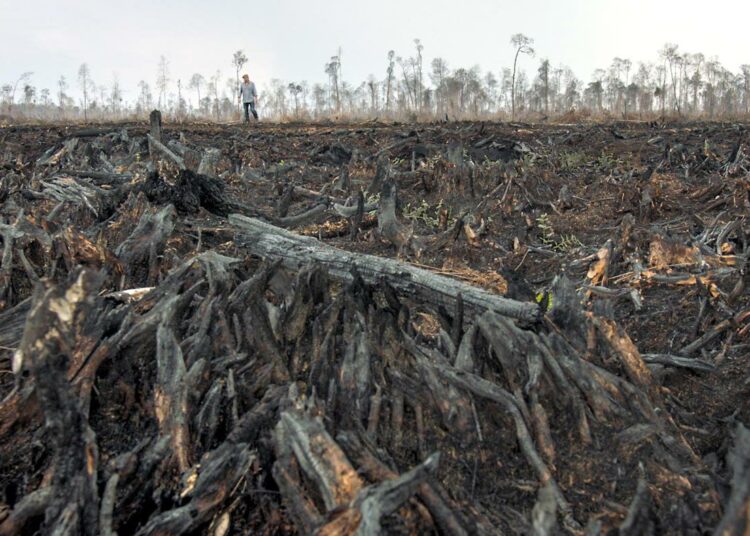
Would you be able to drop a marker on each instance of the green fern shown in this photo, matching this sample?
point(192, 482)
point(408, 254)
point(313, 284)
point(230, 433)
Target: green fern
point(563, 244)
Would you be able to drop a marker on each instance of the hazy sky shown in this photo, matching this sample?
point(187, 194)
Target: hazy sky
point(293, 39)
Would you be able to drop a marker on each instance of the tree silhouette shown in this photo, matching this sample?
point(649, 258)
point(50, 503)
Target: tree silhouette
point(522, 45)
point(84, 79)
point(23, 79)
point(238, 60)
point(196, 81)
point(162, 79)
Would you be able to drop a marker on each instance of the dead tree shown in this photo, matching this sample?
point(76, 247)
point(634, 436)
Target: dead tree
point(295, 251)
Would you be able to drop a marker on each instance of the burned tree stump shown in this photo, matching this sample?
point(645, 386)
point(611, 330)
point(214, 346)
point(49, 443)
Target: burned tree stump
point(398, 234)
point(154, 120)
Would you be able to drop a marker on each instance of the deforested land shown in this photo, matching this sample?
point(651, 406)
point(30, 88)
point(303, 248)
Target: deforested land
point(375, 328)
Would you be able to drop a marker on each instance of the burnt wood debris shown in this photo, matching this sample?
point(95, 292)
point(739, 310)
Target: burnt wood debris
point(449, 328)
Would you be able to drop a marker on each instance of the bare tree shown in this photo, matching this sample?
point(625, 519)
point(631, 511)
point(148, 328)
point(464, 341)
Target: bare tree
point(319, 99)
point(544, 79)
point(745, 69)
point(115, 96)
point(372, 85)
point(340, 56)
point(44, 94)
point(29, 94)
point(21, 80)
point(5, 91)
point(144, 97)
point(409, 81)
point(162, 79)
point(333, 70)
point(62, 85)
point(180, 101)
point(572, 90)
point(438, 75)
point(671, 62)
point(522, 45)
point(295, 90)
point(419, 80)
point(389, 80)
point(238, 60)
point(695, 80)
point(84, 79)
point(102, 103)
point(626, 65)
point(231, 86)
point(213, 87)
point(196, 81)
point(491, 84)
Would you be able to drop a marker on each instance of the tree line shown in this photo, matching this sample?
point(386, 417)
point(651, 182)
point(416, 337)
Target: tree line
point(677, 83)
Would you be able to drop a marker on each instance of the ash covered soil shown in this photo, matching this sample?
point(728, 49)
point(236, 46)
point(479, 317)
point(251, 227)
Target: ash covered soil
point(164, 370)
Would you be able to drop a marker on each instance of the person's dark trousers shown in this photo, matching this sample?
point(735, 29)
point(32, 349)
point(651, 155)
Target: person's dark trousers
point(250, 107)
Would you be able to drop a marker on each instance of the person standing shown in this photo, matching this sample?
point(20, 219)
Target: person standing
point(248, 95)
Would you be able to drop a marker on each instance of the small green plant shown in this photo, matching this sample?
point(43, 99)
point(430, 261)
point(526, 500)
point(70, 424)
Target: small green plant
point(607, 161)
point(568, 243)
point(527, 161)
point(572, 160)
point(423, 212)
point(416, 212)
point(548, 233)
point(562, 244)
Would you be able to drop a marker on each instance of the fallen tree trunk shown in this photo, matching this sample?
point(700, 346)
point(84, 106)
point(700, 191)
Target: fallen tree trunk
point(294, 251)
point(101, 177)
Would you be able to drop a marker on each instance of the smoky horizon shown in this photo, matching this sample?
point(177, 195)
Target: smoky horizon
point(424, 59)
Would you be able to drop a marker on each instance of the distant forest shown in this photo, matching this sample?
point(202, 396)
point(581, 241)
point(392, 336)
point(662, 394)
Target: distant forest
point(676, 84)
